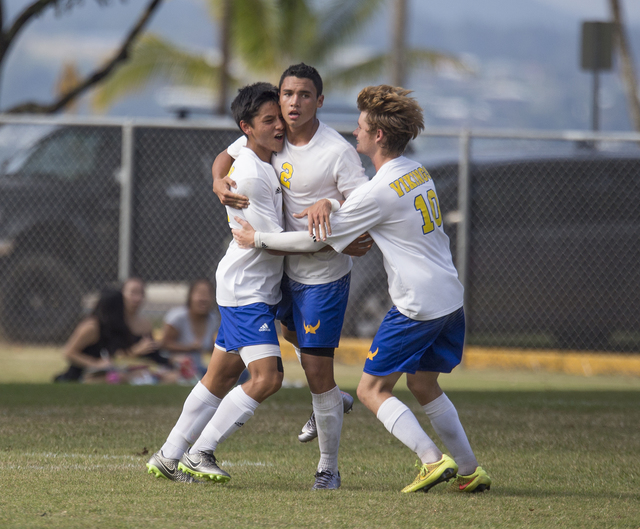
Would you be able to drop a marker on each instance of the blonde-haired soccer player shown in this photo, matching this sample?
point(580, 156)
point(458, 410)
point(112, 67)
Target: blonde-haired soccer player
point(423, 334)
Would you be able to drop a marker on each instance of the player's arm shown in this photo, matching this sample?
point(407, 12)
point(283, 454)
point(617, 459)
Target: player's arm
point(222, 182)
point(320, 223)
point(296, 241)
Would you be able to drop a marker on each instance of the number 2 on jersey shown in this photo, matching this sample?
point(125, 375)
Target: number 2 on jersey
point(286, 174)
point(430, 211)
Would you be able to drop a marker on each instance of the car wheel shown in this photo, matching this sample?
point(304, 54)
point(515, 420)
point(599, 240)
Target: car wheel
point(41, 300)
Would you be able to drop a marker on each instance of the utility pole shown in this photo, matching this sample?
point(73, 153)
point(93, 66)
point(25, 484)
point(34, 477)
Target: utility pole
point(626, 64)
point(398, 52)
point(225, 37)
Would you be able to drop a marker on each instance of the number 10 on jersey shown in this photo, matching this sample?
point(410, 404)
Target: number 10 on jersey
point(430, 211)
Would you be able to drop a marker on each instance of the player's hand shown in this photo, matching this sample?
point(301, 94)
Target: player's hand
point(244, 236)
point(318, 217)
point(360, 246)
point(222, 188)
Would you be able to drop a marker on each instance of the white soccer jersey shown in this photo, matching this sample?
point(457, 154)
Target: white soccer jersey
point(252, 276)
point(327, 167)
point(400, 210)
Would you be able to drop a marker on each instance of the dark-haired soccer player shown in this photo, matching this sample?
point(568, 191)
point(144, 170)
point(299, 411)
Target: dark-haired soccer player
point(423, 334)
point(316, 162)
point(247, 293)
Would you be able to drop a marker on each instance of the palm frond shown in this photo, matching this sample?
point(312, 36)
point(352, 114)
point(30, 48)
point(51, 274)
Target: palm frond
point(153, 58)
point(340, 21)
point(359, 73)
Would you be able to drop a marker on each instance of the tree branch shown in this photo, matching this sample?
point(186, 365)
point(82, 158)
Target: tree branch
point(25, 16)
point(120, 56)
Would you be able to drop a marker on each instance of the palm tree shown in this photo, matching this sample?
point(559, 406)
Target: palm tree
point(266, 36)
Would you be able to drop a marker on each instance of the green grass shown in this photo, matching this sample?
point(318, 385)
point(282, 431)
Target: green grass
point(73, 456)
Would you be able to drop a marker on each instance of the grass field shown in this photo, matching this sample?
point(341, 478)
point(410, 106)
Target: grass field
point(563, 451)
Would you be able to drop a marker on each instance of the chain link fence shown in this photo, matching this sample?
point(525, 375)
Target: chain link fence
point(544, 228)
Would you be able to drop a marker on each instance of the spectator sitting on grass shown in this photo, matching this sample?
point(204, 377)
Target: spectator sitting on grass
point(189, 330)
point(114, 327)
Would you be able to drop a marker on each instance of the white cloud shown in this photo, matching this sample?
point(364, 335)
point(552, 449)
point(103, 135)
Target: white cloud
point(77, 47)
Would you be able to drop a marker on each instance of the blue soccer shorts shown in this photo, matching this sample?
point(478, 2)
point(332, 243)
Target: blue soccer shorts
point(315, 312)
point(403, 345)
point(252, 324)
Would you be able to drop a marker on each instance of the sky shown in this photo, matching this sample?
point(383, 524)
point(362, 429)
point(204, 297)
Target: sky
point(597, 9)
point(88, 34)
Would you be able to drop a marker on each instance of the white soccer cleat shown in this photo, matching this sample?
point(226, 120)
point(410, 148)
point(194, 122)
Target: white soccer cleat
point(310, 430)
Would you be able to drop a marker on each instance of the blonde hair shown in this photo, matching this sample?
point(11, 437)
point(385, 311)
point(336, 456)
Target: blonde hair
point(391, 110)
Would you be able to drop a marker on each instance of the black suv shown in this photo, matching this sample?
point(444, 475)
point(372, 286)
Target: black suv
point(59, 219)
point(553, 257)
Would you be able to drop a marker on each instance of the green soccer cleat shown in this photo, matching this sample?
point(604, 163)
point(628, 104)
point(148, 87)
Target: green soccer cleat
point(479, 481)
point(433, 473)
point(164, 467)
point(203, 465)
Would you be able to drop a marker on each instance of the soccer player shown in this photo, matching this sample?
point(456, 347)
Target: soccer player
point(315, 162)
point(247, 292)
point(423, 334)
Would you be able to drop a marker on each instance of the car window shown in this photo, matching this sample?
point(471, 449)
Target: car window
point(65, 155)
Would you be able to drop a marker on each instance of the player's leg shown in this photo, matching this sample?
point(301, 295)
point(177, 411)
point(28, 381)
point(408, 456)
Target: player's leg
point(235, 410)
point(318, 315)
point(398, 348)
point(442, 356)
point(251, 331)
point(307, 300)
point(199, 407)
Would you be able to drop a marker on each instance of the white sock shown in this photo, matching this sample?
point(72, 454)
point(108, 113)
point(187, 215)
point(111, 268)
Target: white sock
point(444, 419)
point(329, 412)
point(234, 410)
point(402, 423)
point(197, 411)
point(298, 353)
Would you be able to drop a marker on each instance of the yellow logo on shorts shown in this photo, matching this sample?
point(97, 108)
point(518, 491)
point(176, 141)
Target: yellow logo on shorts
point(370, 355)
point(309, 329)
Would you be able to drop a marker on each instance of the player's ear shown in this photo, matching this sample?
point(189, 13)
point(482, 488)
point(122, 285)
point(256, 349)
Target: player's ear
point(379, 136)
point(320, 101)
point(245, 127)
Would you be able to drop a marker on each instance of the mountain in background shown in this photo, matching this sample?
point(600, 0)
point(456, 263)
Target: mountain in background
point(524, 55)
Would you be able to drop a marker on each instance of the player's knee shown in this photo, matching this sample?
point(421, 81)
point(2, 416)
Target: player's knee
point(364, 394)
point(267, 384)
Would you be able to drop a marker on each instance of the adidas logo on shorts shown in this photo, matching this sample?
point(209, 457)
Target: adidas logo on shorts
point(264, 328)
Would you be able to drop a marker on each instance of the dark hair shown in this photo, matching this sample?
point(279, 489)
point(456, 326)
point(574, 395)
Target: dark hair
point(109, 311)
point(303, 71)
point(250, 98)
point(194, 284)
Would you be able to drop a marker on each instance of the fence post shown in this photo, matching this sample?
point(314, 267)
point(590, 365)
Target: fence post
point(126, 202)
point(464, 191)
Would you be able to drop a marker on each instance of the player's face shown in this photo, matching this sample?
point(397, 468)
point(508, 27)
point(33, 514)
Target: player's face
point(267, 131)
point(201, 299)
point(365, 140)
point(133, 294)
point(299, 101)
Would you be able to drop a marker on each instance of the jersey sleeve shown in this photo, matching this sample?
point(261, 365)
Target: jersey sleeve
point(261, 213)
point(349, 172)
point(234, 149)
point(357, 215)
